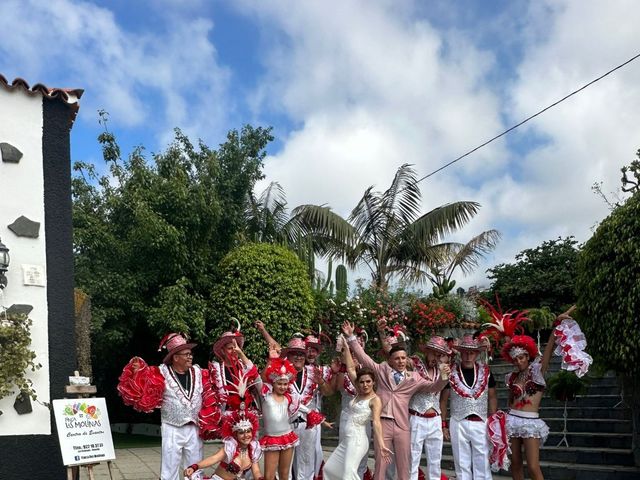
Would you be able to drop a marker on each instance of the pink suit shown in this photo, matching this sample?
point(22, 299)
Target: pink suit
point(395, 410)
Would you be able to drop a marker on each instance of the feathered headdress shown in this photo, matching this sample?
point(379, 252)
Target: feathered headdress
point(518, 345)
point(280, 369)
point(505, 324)
point(237, 421)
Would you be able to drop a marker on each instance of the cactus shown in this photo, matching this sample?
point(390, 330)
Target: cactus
point(341, 281)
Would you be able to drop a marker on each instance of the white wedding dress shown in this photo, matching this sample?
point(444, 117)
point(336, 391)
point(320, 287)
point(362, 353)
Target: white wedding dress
point(344, 461)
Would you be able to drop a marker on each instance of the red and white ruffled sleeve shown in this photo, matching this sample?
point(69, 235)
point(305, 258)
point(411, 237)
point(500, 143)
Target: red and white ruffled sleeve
point(210, 415)
point(141, 389)
point(570, 345)
point(497, 432)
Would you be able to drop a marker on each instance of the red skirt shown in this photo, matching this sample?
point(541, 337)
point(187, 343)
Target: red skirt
point(279, 442)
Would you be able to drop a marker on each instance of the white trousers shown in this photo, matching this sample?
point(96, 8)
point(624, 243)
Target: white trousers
point(470, 445)
point(181, 447)
point(308, 457)
point(426, 433)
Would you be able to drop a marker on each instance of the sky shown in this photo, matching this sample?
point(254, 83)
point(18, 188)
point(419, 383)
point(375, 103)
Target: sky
point(355, 88)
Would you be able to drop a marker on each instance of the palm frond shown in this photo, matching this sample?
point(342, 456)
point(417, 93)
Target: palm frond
point(469, 254)
point(433, 226)
point(402, 199)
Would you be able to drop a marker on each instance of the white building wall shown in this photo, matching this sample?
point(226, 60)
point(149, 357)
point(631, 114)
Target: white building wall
point(22, 193)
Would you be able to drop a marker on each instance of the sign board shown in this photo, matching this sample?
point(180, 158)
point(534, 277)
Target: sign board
point(83, 430)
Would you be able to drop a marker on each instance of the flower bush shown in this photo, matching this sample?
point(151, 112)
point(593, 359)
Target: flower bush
point(427, 318)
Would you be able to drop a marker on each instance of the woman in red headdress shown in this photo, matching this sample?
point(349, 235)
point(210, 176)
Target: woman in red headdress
point(240, 452)
point(526, 385)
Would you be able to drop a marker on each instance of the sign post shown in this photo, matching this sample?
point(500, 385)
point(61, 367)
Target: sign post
point(84, 432)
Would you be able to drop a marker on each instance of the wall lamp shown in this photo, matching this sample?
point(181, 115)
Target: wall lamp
point(4, 264)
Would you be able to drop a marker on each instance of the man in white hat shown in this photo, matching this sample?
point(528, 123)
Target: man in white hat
point(473, 399)
point(176, 387)
point(424, 410)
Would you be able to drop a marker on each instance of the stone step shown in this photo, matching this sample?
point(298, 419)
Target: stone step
point(582, 455)
point(594, 425)
point(582, 401)
point(571, 471)
point(588, 439)
point(585, 412)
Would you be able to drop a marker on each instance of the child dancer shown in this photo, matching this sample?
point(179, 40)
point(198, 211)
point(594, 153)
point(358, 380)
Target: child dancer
point(240, 451)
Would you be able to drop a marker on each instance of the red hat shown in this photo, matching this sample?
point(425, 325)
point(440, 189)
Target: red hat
point(313, 341)
point(518, 345)
point(225, 339)
point(296, 344)
point(470, 344)
point(174, 343)
point(437, 344)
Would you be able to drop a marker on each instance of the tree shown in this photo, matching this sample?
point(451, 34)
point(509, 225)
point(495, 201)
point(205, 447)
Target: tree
point(386, 233)
point(543, 276)
point(148, 236)
point(262, 282)
point(609, 300)
point(462, 256)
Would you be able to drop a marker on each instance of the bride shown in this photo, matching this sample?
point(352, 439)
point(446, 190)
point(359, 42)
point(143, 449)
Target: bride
point(363, 408)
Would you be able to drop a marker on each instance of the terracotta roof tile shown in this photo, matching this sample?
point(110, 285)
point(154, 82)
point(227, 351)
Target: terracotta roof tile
point(67, 95)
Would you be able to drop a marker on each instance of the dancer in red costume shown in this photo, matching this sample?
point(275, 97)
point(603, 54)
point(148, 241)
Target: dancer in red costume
point(240, 452)
point(231, 376)
point(526, 386)
point(180, 390)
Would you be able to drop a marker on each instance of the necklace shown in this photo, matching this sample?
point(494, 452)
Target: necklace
point(243, 452)
point(522, 376)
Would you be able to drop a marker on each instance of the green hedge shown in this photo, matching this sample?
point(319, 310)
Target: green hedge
point(608, 284)
point(262, 282)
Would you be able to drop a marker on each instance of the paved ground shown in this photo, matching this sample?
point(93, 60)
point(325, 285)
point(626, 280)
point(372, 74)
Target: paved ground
point(144, 464)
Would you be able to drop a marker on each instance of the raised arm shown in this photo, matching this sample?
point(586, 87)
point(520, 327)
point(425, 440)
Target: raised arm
point(382, 333)
point(263, 331)
point(364, 359)
point(548, 351)
point(347, 359)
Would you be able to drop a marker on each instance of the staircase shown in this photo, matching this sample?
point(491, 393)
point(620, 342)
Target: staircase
point(599, 432)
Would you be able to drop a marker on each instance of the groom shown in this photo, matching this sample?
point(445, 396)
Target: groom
point(396, 386)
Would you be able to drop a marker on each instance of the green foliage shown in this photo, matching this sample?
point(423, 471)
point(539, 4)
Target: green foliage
point(15, 355)
point(609, 289)
point(566, 385)
point(149, 234)
point(541, 277)
point(539, 319)
point(262, 282)
point(629, 185)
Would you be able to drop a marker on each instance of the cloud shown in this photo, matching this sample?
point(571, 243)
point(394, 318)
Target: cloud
point(372, 85)
point(154, 78)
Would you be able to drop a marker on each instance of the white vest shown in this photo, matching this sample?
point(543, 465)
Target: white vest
point(472, 400)
point(180, 407)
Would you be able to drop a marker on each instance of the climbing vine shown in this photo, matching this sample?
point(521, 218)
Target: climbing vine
point(15, 355)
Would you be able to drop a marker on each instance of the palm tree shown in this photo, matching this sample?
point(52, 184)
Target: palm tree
point(460, 255)
point(386, 233)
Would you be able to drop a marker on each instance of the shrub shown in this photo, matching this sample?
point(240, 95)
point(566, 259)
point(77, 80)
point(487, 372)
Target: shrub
point(262, 282)
point(609, 289)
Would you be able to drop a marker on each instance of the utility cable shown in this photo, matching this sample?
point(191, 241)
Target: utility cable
point(527, 119)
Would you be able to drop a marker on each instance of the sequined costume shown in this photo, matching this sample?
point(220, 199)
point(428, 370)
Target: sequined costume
point(520, 423)
point(426, 426)
point(278, 434)
point(181, 444)
point(469, 408)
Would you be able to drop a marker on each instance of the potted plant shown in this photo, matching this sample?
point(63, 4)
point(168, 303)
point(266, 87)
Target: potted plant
point(565, 386)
